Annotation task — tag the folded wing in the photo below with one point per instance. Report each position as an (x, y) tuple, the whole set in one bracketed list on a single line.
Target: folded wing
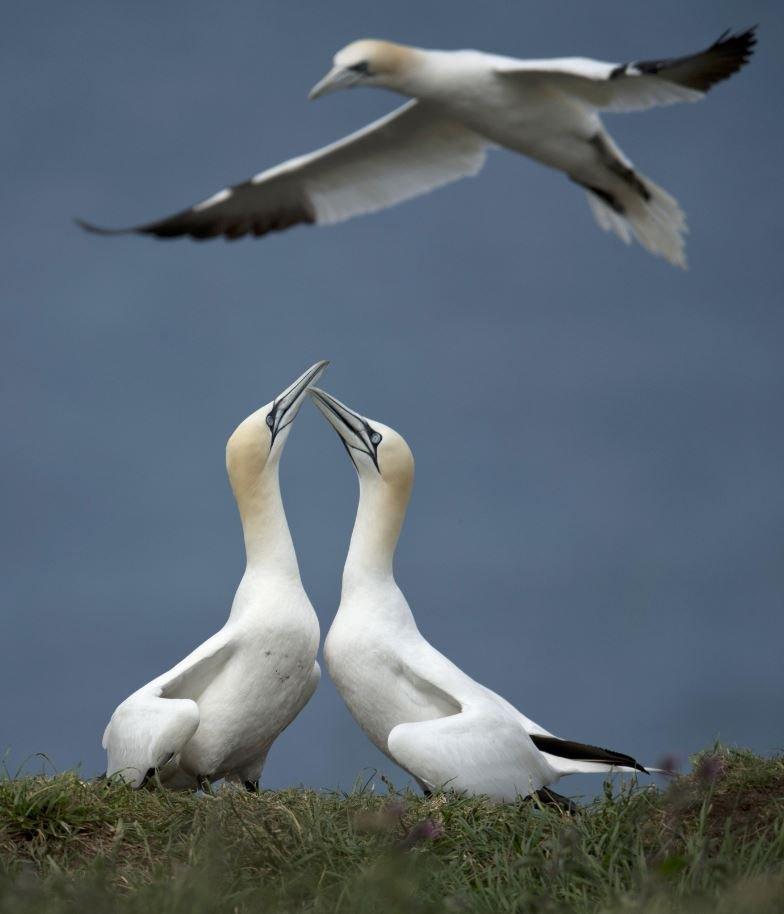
[(638, 85), (153, 725), (409, 152), (473, 751), (481, 748)]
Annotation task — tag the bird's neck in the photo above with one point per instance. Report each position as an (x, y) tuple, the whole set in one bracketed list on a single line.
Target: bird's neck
[(428, 75), (268, 543), (380, 515)]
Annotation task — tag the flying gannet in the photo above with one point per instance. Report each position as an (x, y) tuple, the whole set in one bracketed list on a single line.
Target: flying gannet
[(428, 716), (463, 103), (217, 712)]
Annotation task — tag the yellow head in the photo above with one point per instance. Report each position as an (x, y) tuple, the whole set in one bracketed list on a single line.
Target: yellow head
[(257, 442), (380, 455), (368, 62)]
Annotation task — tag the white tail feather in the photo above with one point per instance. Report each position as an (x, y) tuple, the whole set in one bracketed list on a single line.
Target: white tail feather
[(581, 766), (659, 223)]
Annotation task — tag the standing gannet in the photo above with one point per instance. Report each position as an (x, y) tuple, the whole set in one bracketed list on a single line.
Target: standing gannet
[(428, 716), (217, 712), (464, 102)]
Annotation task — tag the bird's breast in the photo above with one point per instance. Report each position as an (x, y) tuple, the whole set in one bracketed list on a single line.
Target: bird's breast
[(255, 694), (372, 677), (515, 116)]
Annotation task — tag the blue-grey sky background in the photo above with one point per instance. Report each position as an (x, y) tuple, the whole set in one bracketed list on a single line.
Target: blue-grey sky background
[(597, 527)]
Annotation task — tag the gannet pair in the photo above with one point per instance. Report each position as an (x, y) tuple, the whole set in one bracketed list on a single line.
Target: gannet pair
[(217, 712), (417, 707), (462, 104)]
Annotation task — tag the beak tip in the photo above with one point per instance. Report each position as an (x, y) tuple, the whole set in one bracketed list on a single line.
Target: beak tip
[(337, 78), (319, 89)]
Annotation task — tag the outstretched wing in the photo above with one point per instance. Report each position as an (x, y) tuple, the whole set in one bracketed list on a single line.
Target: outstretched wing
[(409, 152), (154, 724), (638, 85)]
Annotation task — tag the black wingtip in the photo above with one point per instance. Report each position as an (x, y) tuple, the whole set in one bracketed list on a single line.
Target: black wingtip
[(633, 763), (729, 53), (100, 230), (740, 44), (565, 748), (748, 34)]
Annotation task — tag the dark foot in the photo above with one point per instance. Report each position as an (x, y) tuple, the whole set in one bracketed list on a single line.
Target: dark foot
[(619, 168), (251, 786), (148, 776), (549, 797), (604, 195), (204, 784), (152, 773)]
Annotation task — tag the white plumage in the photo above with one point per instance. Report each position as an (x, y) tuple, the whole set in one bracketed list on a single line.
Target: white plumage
[(416, 706), (217, 712), (464, 102)]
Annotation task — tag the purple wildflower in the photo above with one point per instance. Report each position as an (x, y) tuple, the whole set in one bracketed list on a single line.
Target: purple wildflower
[(426, 830), (710, 769)]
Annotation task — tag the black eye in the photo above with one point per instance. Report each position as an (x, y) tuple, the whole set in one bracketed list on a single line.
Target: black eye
[(360, 67), (375, 438), (270, 420)]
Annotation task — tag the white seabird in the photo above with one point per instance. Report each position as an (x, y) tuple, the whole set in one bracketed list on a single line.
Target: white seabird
[(416, 706), (217, 712), (464, 102)]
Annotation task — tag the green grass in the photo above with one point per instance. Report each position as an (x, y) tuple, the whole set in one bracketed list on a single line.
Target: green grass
[(712, 842)]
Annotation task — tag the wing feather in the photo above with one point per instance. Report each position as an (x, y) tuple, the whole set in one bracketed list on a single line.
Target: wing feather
[(156, 722), (573, 752), (408, 152), (480, 750), (639, 85), (478, 746)]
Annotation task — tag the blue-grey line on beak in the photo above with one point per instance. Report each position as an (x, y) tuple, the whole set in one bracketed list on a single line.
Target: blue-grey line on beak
[(286, 405), (346, 421), (337, 78)]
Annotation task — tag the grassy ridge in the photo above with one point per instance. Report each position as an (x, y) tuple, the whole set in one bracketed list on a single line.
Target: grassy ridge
[(714, 841)]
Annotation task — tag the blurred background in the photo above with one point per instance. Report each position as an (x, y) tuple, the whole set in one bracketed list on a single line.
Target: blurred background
[(597, 527)]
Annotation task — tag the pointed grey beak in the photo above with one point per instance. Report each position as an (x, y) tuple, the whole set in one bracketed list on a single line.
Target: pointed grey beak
[(337, 78), (286, 405), (354, 430), (339, 416)]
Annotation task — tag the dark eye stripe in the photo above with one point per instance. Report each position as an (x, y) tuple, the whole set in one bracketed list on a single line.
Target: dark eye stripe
[(360, 67), (285, 424)]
